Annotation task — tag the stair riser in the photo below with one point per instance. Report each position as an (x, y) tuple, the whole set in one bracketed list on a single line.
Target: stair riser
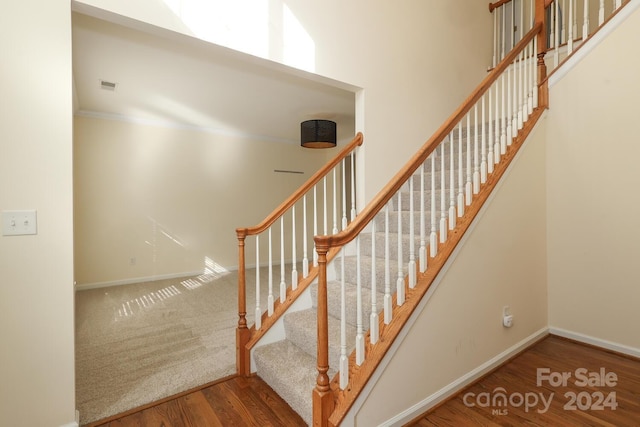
[(380, 246), (301, 330), (366, 276), (334, 302)]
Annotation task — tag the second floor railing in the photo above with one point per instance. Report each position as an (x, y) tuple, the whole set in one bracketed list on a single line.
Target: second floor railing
[(568, 23)]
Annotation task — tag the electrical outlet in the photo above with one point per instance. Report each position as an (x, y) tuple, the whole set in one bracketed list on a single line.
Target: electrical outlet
[(507, 317)]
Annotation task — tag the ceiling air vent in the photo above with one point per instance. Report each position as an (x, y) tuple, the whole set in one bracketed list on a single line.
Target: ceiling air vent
[(107, 85)]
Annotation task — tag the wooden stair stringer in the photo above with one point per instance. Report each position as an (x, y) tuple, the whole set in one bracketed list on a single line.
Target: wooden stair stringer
[(360, 375)]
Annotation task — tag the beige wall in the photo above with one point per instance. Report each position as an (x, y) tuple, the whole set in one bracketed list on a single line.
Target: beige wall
[(412, 80), (416, 61), (36, 272), (172, 198), (503, 262), (593, 208)]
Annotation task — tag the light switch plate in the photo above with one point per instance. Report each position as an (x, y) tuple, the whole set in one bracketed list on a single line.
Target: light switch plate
[(19, 223)]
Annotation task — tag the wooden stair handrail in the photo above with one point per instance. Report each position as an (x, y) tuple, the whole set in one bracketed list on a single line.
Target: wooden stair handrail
[(493, 6), (382, 198), (297, 195), (324, 396)]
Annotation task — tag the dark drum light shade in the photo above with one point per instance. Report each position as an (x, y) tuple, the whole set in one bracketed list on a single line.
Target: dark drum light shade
[(318, 134)]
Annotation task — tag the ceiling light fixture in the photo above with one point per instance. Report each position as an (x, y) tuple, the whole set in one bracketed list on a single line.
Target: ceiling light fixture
[(318, 134)]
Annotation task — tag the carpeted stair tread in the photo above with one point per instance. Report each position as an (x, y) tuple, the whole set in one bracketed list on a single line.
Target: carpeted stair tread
[(300, 328), (350, 271), (366, 248), (291, 372), (334, 301)]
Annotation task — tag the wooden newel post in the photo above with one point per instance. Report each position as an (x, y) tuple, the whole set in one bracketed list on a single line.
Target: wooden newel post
[(243, 366), (323, 399), (543, 88)]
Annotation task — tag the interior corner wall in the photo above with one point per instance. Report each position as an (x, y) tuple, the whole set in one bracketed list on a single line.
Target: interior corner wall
[(593, 208), (156, 201), (36, 271), (501, 263), (416, 60)]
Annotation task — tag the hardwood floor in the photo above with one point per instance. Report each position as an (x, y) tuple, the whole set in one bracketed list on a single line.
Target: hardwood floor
[(236, 401), (556, 382), (601, 389)]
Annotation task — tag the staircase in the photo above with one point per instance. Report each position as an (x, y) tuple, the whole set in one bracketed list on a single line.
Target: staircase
[(392, 251), (289, 365)]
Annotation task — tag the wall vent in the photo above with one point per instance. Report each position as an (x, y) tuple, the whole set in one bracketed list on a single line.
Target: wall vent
[(107, 85)]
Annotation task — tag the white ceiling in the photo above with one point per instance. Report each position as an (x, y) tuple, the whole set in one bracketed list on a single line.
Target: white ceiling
[(185, 82)]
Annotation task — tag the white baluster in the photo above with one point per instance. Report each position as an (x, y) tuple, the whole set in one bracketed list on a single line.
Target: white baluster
[(412, 238), (496, 136), (344, 196), (433, 237), (373, 319), (324, 205), (460, 172), (400, 280), (359, 328), (476, 152), (521, 27), (618, 3), (490, 155), (574, 28), (388, 309), (294, 259), (353, 185), (495, 37), (509, 120), (452, 185), (443, 192), (532, 13), (503, 115), (258, 311), (520, 92), (344, 360), (585, 23), (305, 257), (572, 23), (283, 283), (422, 252), (513, 22), (503, 27), (270, 300), (514, 104), (532, 76), (563, 23), (335, 203), (469, 185), (601, 13), (483, 160), (525, 86), (315, 224), (496, 123), (556, 33)]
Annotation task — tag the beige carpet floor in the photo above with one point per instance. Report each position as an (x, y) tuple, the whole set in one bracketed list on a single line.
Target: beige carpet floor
[(142, 342)]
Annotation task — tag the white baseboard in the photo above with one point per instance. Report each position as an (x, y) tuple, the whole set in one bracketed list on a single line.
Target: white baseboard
[(96, 285), (462, 382), (607, 345), (72, 424)]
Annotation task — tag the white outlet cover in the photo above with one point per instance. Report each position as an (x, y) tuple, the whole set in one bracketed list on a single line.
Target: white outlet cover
[(19, 223)]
